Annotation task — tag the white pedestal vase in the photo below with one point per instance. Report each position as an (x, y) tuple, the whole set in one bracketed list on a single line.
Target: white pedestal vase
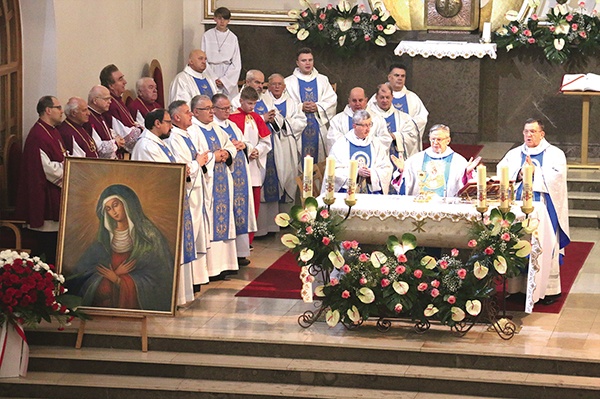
[(14, 351)]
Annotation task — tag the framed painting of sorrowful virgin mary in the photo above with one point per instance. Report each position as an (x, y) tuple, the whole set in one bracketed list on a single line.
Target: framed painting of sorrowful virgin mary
[(120, 234)]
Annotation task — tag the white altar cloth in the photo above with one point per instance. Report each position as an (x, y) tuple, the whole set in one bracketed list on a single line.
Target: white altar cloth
[(441, 223), (441, 49)]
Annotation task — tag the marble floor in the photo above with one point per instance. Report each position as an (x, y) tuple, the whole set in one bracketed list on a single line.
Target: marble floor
[(572, 334)]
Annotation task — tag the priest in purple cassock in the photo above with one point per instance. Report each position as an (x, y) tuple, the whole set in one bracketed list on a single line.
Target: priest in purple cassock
[(147, 93), (78, 140), (107, 142)]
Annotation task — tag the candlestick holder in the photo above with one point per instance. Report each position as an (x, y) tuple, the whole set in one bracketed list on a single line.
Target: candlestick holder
[(504, 209), (482, 209), (527, 210), (328, 201)]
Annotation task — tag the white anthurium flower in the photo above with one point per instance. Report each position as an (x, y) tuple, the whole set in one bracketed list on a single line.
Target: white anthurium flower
[(306, 254), (563, 28), (353, 314), (430, 310), (344, 23), (479, 270), (523, 248), (390, 29), (380, 41), (457, 314), (290, 240), (319, 291), (332, 317), (342, 40), (562, 9), (509, 47), (366, 295), (293, 28), (343, 5), (496, 229), (511, 15), (282, 219), (385, 15), (502, 31), (401, 287), (293, 14), (302, 34), (559, 44), (533, 3), (530, 225), (473, 307), (336, 259), (378, 259), (429, 262), (500, 264)]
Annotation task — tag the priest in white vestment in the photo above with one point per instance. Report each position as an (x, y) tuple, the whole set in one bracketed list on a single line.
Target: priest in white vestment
[(186, 147), (223, 52), (222, 254), (405, 100), (549, 187), (193, 80), (151, 147), (243, 201), (374, 166), (438, 169), (314, 96), (342, 123)]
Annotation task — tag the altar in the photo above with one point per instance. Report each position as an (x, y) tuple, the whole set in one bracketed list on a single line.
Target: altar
[(442, 223)]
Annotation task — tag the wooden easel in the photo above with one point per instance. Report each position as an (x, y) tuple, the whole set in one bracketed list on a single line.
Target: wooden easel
[(143, 333)]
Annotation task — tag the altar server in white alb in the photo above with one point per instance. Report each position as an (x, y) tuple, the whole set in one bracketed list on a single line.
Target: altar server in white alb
[(342, 122), (438, 169), (549, 187), (194, 80), (374, 166), (404, 132), (151, 147), (405, 100), (186, 147), (223, 52), (314, 95)]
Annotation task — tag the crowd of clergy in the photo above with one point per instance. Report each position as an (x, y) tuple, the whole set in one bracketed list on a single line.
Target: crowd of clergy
[(244, 148)]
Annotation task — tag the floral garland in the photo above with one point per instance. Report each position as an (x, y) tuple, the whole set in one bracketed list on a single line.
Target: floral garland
[(31, 291), (565, 33), (400, 279), (344, 28)]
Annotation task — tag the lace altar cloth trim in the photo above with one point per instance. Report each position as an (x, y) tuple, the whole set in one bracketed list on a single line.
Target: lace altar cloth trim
[(441, 49)]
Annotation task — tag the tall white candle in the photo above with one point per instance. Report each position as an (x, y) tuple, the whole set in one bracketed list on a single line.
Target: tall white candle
[(504, 184), (330, 179), (486, 35), (307, 184), (528, 186), (353, 172), (481, 186)]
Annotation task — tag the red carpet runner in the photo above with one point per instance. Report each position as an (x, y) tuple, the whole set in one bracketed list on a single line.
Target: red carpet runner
[(281, 279)]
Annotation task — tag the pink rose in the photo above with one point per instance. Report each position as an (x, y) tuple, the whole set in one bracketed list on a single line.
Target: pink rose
[(303, 13), (582, 4), (574, 26), (488, 251), (552, 28), (309, 230), (385, 282), (334, 281), (472, 243), (374, 17), (444, 264), (354, 244), (514, 29), (346, 269), (367, 38), (346, 294), (461, 273), (402, 258), (454, 252), (320, 26), (451, 300), (435, 293), (379, 28), (526, 32), (531, 40), (305, 218), (569, 18), (400, 269), (362, 281), (346, 245), (486, 220), (505, 237), (385, 270), (356, 19), (534, 17), (418, 273), (422, 287), (326, 240), (324, 213), (329, 6), (583, 34), (322, 16), (505, 223), (398, 308), (363, 257), (310, 279), (435, 283)]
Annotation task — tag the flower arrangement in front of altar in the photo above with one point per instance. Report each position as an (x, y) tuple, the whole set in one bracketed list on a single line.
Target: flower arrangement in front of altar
[(400, 279), (565, 32), (31, 291), (344, 28)]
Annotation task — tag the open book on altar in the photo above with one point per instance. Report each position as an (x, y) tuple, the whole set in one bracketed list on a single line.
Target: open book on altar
[(469, 191), (580, 82)]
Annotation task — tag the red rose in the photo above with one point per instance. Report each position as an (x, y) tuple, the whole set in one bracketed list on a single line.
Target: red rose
[(326, 240), (385, 282), (320, 26), (346, 245), (488, 251)]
